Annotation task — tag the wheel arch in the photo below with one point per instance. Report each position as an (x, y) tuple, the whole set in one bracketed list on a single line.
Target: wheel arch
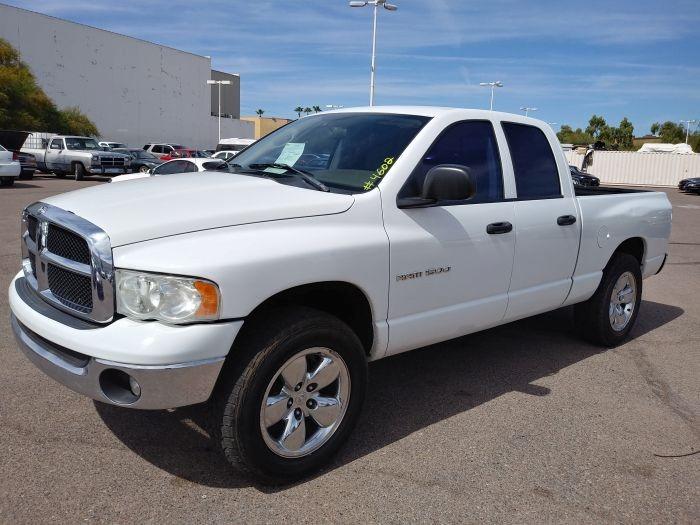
[(344, 300), (634, 246)]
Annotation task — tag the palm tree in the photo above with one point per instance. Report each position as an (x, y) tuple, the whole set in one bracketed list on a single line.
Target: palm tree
[(298, 110), (259, 112), (317, 109), (307, 110)]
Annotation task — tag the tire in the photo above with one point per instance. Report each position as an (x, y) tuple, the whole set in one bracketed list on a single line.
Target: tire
[(594, 318), (253, 376), (79, 171), (7, 181), (27, 175), (143, 169)]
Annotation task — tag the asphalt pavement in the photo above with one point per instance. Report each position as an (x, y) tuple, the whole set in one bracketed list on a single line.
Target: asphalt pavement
[(522, 423)]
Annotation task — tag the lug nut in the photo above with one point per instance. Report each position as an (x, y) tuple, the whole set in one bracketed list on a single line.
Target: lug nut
[(311, 404), (290, 402), (311, 387), (298, 387), (297, 413)]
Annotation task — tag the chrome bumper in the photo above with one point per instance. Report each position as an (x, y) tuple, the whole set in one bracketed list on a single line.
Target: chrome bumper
[(155, 386)]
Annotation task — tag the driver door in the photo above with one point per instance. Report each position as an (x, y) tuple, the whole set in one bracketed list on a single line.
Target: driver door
[(449, 269), (53, 155)]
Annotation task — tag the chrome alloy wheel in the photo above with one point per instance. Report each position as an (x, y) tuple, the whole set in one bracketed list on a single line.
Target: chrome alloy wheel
[(623, 301), (305, 402)]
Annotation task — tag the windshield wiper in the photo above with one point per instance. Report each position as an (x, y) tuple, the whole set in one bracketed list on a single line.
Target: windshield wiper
[(308, 177)]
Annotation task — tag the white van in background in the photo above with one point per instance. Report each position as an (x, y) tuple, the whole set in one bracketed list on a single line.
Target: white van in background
[(234, 145)]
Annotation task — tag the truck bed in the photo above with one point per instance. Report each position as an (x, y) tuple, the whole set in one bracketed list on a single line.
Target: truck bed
[(587, 191)]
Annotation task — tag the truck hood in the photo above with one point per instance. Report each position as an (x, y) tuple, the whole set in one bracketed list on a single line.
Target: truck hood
[(153, 207)]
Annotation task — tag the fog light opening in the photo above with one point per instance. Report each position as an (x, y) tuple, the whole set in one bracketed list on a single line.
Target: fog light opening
[(119, 387)]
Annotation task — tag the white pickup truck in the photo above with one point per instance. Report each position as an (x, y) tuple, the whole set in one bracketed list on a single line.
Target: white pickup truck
[(338, 239)]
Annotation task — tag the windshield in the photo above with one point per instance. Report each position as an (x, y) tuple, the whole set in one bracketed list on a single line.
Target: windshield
[(82, 144), (146, 155), (348, 152)]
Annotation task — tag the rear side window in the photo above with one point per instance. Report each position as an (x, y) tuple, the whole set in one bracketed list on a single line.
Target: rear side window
[(536, 174), (471, 144)]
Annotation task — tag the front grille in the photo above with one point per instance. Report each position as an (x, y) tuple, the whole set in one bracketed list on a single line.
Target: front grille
[(67, 244), (67, 262), (32, 223), (111, 162), (72, 289)]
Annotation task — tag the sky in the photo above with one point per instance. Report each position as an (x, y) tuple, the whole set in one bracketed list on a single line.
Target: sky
[(620, 58)]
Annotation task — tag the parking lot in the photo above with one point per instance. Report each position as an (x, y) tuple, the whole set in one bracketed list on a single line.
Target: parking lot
[(524, 422)]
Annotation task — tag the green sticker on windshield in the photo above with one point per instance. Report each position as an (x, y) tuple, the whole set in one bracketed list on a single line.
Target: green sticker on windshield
[(291, 153), (378, 174)]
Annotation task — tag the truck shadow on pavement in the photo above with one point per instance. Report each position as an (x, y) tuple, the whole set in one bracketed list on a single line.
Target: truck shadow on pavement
[(406, 393)]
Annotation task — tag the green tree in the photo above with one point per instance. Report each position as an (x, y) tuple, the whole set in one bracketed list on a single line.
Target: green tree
[(259, 112), (596, 127), (669, 132), (655, 128), (298, 110), (317, 109), (307, 110), (625, 135), (577, 136), (25, 106)]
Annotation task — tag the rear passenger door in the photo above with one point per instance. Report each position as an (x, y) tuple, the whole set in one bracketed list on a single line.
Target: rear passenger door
[(547, 228)]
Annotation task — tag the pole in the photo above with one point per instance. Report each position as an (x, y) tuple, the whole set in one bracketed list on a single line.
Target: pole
[(374, 47), (219, 84), (493, 88), (687, 131)]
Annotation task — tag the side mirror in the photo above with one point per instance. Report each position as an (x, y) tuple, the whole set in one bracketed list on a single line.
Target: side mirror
[(446, 182)]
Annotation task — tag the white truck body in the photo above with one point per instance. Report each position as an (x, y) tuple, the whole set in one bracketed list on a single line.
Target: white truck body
[(427, 274)]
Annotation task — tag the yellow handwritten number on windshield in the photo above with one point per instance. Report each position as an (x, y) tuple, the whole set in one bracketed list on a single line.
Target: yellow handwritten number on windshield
[(378, 174)]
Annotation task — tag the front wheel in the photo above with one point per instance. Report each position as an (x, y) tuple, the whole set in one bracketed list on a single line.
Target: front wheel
[(607, 318), (79, 171), (294, 397), (143, 169)]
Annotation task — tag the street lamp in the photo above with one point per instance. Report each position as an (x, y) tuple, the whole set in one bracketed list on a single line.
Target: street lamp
[(527, 110), (219, 82), (493, 86), (687, 128), (375, 4)]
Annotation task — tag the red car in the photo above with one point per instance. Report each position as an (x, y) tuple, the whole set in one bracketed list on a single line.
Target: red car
[(185, 153)]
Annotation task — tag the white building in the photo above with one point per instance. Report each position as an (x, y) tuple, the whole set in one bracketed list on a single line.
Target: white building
[(133, 90)]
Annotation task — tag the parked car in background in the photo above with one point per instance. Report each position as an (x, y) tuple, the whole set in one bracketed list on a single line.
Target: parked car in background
[(689, 185), (176, 166), (161, 150), (186, 153), (13, 141), (235, 145), (224, 155), (112, 145), (583, 179), (80, 156), (141, 161), (10, 168)]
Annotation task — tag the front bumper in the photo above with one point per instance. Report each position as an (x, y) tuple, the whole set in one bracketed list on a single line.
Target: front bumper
[(172, 365), (100, 170)]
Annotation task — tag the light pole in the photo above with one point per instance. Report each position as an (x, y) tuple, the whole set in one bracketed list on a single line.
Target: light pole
[(493, 86), (375, 4), (687, 128), (219, 82), (527, 110)]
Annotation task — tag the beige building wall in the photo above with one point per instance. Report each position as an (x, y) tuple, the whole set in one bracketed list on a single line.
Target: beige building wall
[(265, 125)]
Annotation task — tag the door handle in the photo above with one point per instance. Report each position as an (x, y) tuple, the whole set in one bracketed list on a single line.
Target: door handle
[(566, 220), (499, 227)]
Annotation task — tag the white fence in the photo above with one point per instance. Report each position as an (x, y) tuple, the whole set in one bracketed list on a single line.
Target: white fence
[(639, 169)]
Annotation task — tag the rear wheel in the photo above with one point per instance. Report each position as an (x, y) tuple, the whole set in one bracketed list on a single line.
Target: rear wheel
[(607, 318), (79, 171), (293, 396), (7, 181), (27, 175)]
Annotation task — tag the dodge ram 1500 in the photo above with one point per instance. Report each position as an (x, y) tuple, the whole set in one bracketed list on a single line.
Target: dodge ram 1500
[(344, 237)]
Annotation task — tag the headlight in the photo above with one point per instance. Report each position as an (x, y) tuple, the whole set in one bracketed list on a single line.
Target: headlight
[(166, 298), (95, 158)]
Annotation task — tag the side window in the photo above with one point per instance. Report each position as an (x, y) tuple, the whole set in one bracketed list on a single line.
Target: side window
[(56, 144), (168, 168), (536, 174), (471, 143), (191, 167), (157, 149)]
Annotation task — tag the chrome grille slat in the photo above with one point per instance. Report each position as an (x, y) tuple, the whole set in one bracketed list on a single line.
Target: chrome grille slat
[(68, 262)]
